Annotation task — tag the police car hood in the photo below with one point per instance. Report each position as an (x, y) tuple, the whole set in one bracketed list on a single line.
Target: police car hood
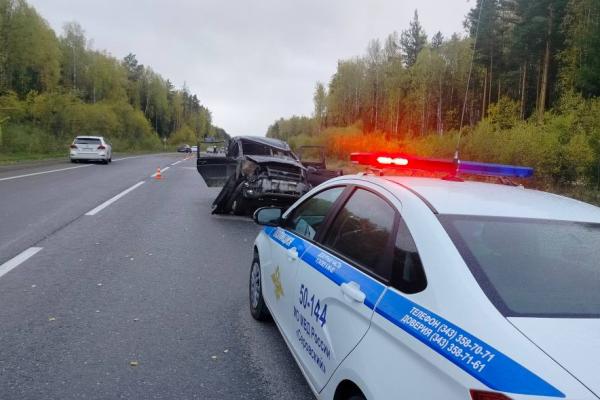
[(574, 343)]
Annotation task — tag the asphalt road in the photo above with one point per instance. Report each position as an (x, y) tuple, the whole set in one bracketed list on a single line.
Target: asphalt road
[(144, 299)]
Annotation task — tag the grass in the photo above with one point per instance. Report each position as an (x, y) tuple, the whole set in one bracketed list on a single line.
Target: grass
[(13, 158)]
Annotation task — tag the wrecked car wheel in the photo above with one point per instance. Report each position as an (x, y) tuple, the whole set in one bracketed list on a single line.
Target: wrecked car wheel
[(239, 205)]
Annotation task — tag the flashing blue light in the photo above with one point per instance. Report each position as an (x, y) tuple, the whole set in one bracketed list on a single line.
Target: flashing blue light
[(486, 169)]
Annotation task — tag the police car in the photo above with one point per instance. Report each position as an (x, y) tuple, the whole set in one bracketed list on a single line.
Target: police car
[(398, 287)]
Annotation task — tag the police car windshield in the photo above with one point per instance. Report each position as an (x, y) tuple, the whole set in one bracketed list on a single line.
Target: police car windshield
[(534, 268), (258, 149)]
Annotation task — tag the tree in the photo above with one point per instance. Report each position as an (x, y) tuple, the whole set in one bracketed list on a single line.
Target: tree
[(437, 40), (412, 41), (30, 50), (74, 46), (581, 57), (320, 102), (53, 87), (540, 26)]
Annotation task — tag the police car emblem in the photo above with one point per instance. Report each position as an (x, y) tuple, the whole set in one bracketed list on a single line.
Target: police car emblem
[(276, 278)]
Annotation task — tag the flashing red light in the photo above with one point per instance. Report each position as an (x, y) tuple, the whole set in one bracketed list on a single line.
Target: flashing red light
[(450, 167), (483, 395), (73, 146), (101, 147)]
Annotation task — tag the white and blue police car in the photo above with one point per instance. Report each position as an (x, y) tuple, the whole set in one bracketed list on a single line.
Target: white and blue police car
[(399, 287)]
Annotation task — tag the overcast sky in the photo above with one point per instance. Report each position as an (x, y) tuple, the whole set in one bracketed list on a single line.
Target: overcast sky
[(249, 61)]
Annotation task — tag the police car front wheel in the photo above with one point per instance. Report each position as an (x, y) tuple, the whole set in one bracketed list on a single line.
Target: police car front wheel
[(258, 308)]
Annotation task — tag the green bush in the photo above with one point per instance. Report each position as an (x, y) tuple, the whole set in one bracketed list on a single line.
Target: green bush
[(46, 123)]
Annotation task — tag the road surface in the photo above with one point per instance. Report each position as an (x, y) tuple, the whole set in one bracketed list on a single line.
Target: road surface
[(116, 285)]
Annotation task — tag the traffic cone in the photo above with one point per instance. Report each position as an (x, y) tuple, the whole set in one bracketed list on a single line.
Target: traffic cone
[(158, 176)]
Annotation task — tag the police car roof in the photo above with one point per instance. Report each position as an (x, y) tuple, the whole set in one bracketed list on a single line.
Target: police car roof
[(486, 199)]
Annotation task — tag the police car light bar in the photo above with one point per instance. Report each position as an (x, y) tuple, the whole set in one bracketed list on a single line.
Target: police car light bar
[(388, 160)]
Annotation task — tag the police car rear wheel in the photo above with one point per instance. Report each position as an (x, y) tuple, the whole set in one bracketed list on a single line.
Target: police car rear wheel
[(258, 308)]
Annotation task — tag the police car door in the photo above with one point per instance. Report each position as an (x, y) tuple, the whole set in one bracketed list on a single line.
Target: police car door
[(288, 243), (340, 281)]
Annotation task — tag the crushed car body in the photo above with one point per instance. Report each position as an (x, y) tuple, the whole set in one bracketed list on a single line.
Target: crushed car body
[(313, 158), (254, 171)]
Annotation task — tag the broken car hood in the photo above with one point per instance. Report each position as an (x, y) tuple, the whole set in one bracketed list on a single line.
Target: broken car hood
[(274, 160)]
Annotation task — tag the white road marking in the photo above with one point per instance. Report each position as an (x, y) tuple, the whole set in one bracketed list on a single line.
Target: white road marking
[(60, 169), (112, 200), (161, 171), (175, 163), (127, 158), (44, 172), (16, 261)]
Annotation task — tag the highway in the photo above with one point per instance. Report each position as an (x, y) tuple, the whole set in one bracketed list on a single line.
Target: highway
[(116, 285)]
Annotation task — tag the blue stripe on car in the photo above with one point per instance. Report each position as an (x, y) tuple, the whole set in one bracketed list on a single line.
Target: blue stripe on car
[(474, 356)]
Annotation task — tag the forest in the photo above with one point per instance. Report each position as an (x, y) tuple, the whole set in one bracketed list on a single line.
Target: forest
[(520, 85), (54, 87)]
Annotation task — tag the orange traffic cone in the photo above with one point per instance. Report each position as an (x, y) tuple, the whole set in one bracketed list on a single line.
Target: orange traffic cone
[(157, 175)]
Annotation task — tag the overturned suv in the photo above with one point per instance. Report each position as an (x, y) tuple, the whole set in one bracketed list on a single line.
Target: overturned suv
[(254, 172)]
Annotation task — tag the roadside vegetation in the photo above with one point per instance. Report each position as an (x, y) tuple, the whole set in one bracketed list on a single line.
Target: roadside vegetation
[(53, 88), (532, 98)]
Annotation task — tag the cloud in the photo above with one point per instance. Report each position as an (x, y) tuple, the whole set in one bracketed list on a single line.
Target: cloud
[(250, 62)]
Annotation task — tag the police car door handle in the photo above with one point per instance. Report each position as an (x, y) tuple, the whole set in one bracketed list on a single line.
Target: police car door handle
[(292, 254), (352, 290)]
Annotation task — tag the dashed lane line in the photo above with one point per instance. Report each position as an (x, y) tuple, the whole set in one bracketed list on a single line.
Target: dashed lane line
[(18, 260), (60, 169), (127, 158), (112, 200)]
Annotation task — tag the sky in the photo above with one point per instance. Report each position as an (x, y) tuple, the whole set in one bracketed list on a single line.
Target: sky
[(249, 61)]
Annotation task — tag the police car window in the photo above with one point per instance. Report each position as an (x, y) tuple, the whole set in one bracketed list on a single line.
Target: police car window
[(362, 229), (407, 270), (307, 218), (532, 267)]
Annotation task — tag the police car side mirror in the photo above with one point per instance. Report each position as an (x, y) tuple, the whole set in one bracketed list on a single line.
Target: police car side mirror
[(268, 216)]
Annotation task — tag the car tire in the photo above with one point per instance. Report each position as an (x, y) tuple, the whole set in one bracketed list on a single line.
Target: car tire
[(258, 308), (238, 205), (73, 161)]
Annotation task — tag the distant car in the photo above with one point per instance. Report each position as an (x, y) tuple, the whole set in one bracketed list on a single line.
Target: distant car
[(194, 149), (90, 148), (184, 149)]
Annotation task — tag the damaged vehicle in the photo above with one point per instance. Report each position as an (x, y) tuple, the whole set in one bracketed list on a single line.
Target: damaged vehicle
[(254, 172), (313, 158)]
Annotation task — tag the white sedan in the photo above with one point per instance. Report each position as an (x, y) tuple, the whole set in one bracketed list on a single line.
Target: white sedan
[(389, 287), (90, 148)]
